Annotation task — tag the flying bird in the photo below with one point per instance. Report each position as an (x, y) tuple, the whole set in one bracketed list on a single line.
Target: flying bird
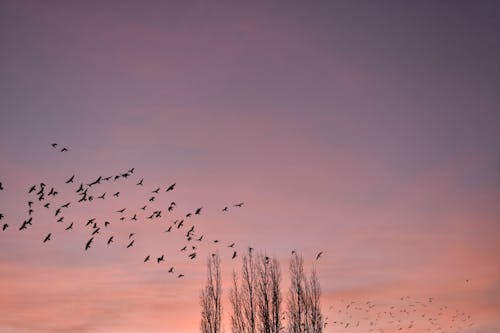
[(146, 259), (95, 182), (171, 187), (131, 244), (70, 180), (1, 186), (110, 240), (70, 226), (140, 183), (239, 204), (319, 255), (121, 210), (159, 259), (5, 226), (64, 149), (87, 246), (47, 238), (198, 211), (101, 196)]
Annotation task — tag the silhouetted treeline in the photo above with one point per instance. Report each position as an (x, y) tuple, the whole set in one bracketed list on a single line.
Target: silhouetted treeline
[(256, 297)]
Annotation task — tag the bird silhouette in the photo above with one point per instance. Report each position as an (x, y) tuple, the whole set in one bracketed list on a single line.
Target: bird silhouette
[(70, 226), (171, 187), (131, 244), (101, 196), (140, 182), (5, 226), (70, 180), (64, 149), (319, 255), (146, 259), (121, 210), (95, 182), (32, 189), (180, 275), (198, 211), (110, 240), (116, 194), (239, 204), (47, 238), (225, 209), (159, 259), (234, 255), (1, 186), (54, 145), (87, 246), (156, 191)]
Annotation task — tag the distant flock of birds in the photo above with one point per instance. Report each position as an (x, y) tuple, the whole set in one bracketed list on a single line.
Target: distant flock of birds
[(407, 314)]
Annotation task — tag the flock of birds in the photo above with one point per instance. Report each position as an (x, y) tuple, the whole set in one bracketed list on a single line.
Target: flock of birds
[(44, 196), (408, 314), (402, 315)]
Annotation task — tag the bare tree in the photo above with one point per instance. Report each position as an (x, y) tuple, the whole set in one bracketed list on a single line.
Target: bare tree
[(210, 298), (237, 321), (268, 294), (248, 292), (314, 294), (304, 308), (296, 304)]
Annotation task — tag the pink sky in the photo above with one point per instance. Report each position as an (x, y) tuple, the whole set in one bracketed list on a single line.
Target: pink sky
[(367, 131)]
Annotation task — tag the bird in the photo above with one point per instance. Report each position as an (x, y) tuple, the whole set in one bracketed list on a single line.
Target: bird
[(171, 187), (54, 145), (169, 229), (87, 246), (96, 231), (146, 259), (143, 207), (239, 204), (234, 255), (231, 245), (130, 235), (106, 223), (5, 226), (131, 244), (80, 188), (140, 183), (66, 205), (159, 259), (32, 189), (180, 275), (319, 255), (134, 217), (110, 240), (58, 211), (171, 270), (95, 182), (198, 211), (131, 170), (1, 216), (121, 210), (116, 194), (156, 191), (70, 180), (101, 196), (64, 149), (47, 238), (225, 209), (70, 226), (1, 186)]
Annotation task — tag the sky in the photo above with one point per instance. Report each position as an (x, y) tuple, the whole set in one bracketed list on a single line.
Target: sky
[(369, 130)]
